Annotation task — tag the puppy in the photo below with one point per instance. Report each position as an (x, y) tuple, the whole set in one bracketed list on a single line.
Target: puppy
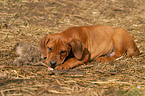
[(77, 45)]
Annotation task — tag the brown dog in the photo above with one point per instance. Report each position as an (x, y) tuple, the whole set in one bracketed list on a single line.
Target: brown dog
[(77, 45)]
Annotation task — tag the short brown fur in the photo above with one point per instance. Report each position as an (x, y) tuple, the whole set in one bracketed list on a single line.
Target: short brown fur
[(77, 45)]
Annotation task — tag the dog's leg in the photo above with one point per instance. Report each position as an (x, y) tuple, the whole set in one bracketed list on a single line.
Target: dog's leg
[(73, 62), (118, 54), (123, 43), (70, 63)]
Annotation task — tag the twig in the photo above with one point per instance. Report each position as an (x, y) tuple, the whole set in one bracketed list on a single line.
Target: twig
[(40, 63), (60, 3), (9, 90), (58, 82), (40, 92), (2, 93), (60, 72), (57, 92), (72, 2), (17, 78), (15, 94), (112, 82)]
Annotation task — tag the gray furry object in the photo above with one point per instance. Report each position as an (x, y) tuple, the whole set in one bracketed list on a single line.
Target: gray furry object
[(28, 54)]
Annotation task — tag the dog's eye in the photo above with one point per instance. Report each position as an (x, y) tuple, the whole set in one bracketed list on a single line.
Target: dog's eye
[(62, 52), (50, 50), (44, 57)]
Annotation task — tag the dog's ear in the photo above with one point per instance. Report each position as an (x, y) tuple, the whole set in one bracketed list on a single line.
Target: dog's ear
[(42, 45), (77, 48)]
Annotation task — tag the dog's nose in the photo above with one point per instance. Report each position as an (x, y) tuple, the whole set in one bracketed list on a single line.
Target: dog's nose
[(52, 62)]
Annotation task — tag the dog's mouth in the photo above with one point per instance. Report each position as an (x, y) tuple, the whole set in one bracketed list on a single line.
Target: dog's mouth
[(57, 64), (54, 65)]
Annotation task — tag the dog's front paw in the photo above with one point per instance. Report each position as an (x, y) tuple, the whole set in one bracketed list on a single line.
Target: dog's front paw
[(102, 60), (62, 67)]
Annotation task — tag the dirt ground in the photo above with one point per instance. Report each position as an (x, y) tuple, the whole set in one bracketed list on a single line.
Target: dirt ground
[(29, 20)]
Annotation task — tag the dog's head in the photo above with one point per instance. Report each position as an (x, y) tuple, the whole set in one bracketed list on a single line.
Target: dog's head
[(55, 48)]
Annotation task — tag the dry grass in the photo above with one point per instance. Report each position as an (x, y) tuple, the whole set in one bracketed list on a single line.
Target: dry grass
[(28, 21)]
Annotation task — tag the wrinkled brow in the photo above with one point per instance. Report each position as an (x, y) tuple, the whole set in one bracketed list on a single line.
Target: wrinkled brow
[(58, 45)]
